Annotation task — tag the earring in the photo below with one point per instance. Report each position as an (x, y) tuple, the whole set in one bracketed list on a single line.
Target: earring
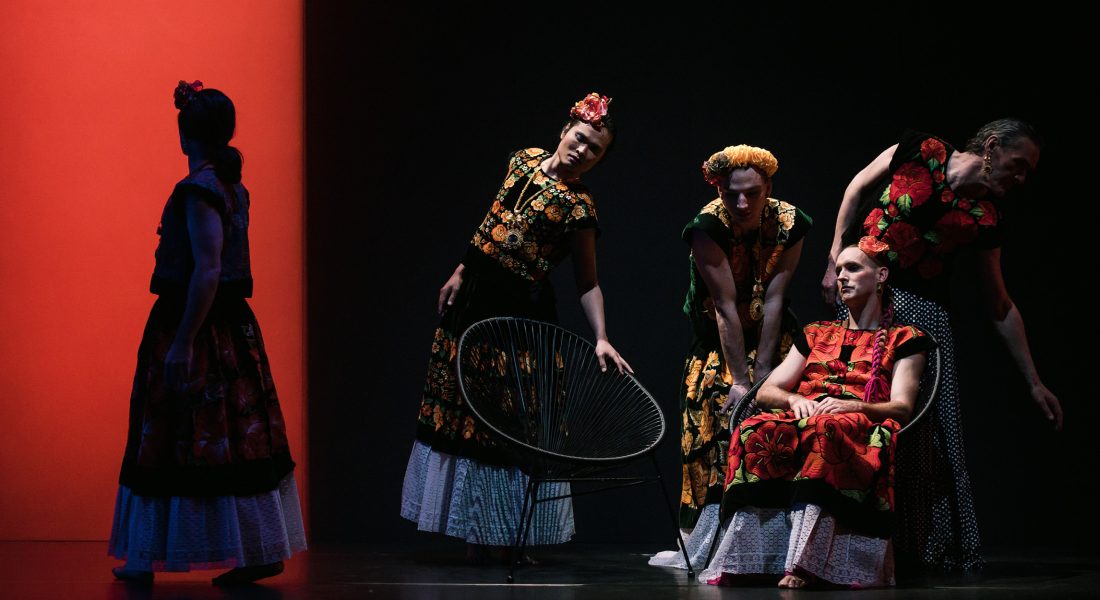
[(878, 288), (987, 165)]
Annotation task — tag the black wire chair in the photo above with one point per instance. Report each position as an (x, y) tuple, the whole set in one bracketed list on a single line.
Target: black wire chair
[(540, 389), (926, 397)]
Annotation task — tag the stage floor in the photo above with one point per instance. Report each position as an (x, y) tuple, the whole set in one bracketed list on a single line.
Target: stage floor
[(81, 571)]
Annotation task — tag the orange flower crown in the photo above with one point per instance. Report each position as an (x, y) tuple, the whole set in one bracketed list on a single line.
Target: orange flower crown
[(718, 166), (591, 109), (873, 247)]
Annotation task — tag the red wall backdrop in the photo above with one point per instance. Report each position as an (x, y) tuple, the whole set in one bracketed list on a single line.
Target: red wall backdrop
[(88, 154)]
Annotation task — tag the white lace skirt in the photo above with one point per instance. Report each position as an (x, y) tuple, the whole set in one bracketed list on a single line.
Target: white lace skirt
[(180, 533), (806, 540), (479, 503), (698, 541)]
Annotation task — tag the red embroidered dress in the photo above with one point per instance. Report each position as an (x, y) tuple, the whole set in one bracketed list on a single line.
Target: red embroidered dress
[(841, 462)]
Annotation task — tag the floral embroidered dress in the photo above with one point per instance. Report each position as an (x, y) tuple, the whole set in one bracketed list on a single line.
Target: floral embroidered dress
[(922, 219), (507, 262), (814, 496), (843, 461), (207, 477), (522, 238), (706, 381), (928, 226)]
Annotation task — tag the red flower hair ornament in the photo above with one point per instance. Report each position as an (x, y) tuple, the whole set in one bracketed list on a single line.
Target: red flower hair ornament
[(591, 109), (873, 247), (186, 92)]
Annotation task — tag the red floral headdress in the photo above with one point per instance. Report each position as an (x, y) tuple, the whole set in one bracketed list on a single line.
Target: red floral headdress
[(591, 109), (186, 92), (873, 247)]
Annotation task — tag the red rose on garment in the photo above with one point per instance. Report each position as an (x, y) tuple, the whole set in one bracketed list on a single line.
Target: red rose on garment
[(838, 450), (937, 175), (964, 204), (989, 214), (947, 196), (827, 345), (871, 223), (837, 366), (932, 148), (892, 210), (955, 228), (833, 390), (930, 266), (912, 179), (906, 241), (770, 450)]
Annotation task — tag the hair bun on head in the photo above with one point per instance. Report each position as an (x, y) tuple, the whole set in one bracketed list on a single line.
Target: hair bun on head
[(186, 92)]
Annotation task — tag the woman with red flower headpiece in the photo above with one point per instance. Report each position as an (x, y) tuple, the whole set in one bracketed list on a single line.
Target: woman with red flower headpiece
[(809, 485), (745, 247), (207, 480), (459, 481), (931, 203)]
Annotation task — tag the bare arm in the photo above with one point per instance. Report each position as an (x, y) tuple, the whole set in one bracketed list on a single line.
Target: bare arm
[(583, 244), (714, 267), (1010, 327), (847, 214), (773, 310), (204, 227)]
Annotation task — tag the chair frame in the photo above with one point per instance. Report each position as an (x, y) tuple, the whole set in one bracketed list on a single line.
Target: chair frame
[(537, 477)]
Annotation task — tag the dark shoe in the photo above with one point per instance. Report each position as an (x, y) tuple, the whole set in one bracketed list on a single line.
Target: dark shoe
[(243, 575), (133, 575)]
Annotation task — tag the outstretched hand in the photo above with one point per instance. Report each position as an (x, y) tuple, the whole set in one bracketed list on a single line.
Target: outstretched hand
[(607, 354)]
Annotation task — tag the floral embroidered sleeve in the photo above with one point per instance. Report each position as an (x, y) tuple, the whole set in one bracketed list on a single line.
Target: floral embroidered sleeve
[(805, 342), (909, 341), (712, 221), (581, 213)]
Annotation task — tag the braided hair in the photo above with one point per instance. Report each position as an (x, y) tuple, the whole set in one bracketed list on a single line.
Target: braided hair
[(876, 387)]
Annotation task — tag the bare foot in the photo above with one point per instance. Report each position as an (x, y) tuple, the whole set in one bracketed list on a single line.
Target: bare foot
[(792, 582)]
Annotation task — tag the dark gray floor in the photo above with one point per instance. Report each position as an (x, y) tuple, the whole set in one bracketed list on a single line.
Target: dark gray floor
[(81, 570)]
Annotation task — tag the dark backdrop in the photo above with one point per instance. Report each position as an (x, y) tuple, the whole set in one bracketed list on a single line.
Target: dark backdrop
[(412, 111)]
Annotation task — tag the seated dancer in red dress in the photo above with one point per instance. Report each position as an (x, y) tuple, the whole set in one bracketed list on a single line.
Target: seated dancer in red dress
[(809, 484)]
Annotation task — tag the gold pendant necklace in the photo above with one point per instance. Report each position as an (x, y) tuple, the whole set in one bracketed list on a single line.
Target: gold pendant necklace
[(756, 305), (515, 227)]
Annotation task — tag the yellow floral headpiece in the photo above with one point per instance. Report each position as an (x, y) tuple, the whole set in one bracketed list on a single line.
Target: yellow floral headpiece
[(718, 166)]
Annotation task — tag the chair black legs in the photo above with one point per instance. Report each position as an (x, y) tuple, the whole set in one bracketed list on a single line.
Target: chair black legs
[(523, 526), (672, 515)]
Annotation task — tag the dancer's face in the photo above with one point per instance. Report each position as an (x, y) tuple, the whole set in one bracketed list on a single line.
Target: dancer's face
[(1012, 164), (744, 195), (582, 146), (857, 276)]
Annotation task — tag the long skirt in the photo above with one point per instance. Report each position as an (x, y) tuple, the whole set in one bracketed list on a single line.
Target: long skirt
[(460, 479), (206, 478), (936, 526)]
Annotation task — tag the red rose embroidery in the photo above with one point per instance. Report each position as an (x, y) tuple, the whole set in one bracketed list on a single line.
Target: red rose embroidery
[(937, 175), (989, 214), (947, 196), (837, 366), (906, 241), (932, 148), (770, 450), (914, 180), (870, 224)]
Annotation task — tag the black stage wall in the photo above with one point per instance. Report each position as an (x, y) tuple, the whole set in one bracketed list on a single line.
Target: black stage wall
[(412, 111)]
